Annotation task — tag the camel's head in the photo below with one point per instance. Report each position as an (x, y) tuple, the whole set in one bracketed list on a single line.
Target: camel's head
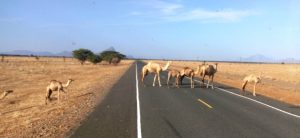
[(70, 80)]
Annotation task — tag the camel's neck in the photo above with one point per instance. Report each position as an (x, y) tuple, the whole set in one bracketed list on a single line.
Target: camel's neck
[(166, 66), (216, 67), (68, 83)]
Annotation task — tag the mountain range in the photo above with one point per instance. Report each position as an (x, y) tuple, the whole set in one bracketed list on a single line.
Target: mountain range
[(262, 58), (253, 58), (43, 53)]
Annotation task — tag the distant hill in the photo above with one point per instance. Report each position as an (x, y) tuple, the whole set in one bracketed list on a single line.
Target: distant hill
[(110, 49), (257, 58), (262, 58), (43, 53)]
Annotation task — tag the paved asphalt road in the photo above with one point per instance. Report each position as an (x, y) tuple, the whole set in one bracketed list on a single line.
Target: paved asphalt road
[(185, 112)]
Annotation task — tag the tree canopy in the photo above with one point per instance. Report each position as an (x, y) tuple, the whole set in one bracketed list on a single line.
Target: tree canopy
[(109, 55), (82, 54)]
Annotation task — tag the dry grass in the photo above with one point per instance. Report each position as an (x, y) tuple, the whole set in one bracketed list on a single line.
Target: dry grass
[(23, 113), (280, 81)]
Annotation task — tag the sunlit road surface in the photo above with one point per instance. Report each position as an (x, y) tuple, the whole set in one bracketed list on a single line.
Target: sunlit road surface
[(185, 112)]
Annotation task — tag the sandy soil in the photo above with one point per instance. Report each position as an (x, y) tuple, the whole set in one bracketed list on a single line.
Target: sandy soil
[(23, 112), (279, 81)]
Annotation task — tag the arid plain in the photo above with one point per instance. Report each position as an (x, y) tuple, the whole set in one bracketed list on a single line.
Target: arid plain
[(24, 113)]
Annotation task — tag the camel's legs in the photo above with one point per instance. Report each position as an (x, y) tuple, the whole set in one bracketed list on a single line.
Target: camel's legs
[(154, 80), (254, 90), (169, 76), (177, 82), (192, 82), (203, 80), (48, 95), (208, 81), (212, 82), (143, 77), (158, 77), (244, 86)]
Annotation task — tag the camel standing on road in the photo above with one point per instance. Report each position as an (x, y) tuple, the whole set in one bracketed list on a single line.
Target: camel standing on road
[(154, 68), (56, 86), (174, 74), (188, 72), (210, 71), (251, 78)]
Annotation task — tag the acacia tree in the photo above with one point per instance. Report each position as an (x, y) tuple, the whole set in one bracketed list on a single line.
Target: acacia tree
[(82, 54), (110, 55), (93, 58)]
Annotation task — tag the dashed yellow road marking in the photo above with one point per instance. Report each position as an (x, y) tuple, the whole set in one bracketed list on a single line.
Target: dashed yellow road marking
[(209, 106)]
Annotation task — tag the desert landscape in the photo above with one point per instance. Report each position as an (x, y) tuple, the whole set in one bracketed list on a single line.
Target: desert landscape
[(24, 113), (279, 81)]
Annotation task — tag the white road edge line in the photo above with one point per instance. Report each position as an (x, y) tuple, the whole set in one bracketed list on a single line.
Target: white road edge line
[(139, 129), (272, 107)]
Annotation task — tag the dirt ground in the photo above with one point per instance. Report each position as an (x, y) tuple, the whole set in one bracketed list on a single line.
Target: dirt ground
[(23, 113), (279, 81)]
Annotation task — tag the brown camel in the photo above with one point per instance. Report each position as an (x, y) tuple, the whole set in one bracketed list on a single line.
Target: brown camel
[(210, 71), (56, 86), (154, 68), (174, 74), (251, 79), (188, 72)]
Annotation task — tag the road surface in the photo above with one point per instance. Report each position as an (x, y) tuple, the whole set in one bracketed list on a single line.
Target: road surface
[(185, 112)]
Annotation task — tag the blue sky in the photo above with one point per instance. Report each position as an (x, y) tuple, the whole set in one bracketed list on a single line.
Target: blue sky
[(177, 29)]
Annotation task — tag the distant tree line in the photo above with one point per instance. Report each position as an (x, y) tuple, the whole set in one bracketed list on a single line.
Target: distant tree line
[(112, 57)]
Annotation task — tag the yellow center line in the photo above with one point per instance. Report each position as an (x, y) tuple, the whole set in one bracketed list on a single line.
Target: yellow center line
[(209, 106)]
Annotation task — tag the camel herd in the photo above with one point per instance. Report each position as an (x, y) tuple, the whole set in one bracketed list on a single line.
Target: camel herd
[(154, 68), (202, 70)]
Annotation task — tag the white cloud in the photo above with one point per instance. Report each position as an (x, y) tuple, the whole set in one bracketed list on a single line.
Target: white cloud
[(176, 12), (171, 9), (206, 15)]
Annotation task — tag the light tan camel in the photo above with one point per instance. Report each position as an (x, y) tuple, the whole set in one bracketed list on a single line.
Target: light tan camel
[(56, 86), (174, 74), (5, 93), (154, 68), (210, 71), (188, 72), (251, 79)]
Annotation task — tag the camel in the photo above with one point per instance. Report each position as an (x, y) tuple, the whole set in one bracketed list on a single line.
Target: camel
[(5, 93), (56, 86), (174, 74), (210, 71), (188, 72), (251, 78), (154, 68)]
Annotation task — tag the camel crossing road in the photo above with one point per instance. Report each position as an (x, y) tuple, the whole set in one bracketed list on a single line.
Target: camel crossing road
[(131, 110)]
